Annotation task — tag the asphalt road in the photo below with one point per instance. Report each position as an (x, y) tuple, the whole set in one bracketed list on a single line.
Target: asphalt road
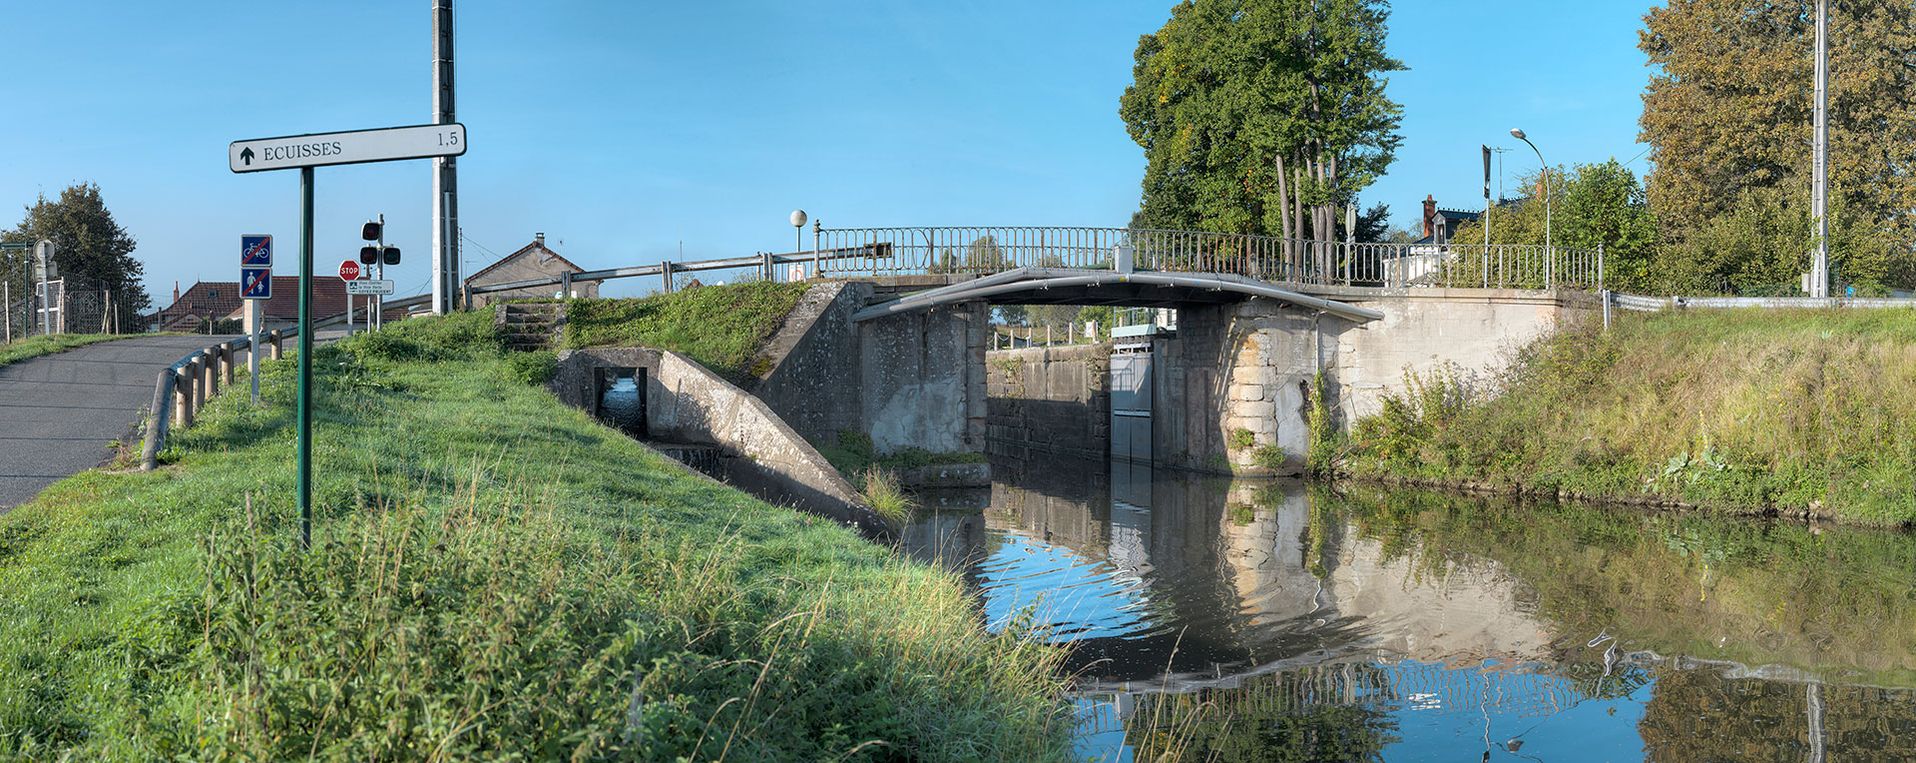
[(59, 412)]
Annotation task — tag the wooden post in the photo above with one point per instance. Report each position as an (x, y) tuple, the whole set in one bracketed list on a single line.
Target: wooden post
[(196, 389), (275, 337), (182, 398), (226, 363), (212, 370)]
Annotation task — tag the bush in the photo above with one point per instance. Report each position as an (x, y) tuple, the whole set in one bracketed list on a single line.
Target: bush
[(535, 368)]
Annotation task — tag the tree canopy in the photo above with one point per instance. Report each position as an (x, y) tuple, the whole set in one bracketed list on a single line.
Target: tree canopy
[(1261, 116), (1727, 115), (91, 248)]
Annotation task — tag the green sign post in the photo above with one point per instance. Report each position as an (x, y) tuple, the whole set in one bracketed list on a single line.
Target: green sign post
[(304, 152)]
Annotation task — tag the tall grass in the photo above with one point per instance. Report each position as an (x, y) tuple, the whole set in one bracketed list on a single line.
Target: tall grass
[(47, 344), (721, 327), (493, 575), (1797, 411)]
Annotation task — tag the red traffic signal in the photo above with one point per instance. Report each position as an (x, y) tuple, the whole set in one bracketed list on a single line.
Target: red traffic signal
[(368, 254), (371, 231)]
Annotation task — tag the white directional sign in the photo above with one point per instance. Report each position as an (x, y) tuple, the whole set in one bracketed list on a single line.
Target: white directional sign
[(369, 286), (321, 149)]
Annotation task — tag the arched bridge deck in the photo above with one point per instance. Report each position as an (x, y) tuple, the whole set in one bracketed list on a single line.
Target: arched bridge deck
[(1150, 267)]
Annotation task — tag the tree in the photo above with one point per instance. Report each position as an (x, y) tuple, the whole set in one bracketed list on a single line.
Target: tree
[(1728, 109), (1261, 116), (1592, 205), (90, 247)]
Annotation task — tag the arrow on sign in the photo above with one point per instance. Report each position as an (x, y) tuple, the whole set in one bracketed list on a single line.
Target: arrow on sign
[(246, 155)]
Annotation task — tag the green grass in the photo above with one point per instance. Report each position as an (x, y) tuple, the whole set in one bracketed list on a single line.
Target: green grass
[(493, 575), (47, 344), (883, 493), (721, 327), (1756, 410), (853, 456)]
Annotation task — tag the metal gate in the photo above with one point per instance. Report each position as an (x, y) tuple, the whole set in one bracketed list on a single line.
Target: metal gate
[(1131, 402)]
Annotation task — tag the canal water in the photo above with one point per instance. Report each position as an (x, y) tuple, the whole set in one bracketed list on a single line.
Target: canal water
[(1243, 620)]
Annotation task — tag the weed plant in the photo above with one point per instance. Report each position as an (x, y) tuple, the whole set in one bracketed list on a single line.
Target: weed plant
[(1748, 410)]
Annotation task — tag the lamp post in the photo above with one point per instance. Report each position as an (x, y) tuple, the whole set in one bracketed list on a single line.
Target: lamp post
[(1549, 249), (798, 236)]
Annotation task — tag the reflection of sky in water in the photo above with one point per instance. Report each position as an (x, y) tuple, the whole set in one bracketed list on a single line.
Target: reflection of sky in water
[(1235, 596), (1075, 597), (1440, 714)]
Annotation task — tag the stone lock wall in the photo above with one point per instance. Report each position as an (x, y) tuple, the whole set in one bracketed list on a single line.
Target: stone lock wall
[(915, 380), (1251, 367), (1053, 400)]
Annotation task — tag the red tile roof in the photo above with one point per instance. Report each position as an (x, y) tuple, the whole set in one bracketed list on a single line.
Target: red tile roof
[(208, 300), (329, 297)]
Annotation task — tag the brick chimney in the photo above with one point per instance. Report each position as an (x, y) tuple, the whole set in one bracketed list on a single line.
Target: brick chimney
[(1430, 215), (176, 291), (540, 239)]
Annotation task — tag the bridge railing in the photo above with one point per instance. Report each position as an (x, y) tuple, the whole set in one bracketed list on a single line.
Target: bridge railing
[(980, 250)]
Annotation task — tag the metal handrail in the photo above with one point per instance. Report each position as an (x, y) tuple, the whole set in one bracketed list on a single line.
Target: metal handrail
[(202, 368), (1297, 262)]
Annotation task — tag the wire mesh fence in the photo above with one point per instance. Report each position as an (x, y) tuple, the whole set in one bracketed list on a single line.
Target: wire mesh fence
[(62, 306), (1301, 262)]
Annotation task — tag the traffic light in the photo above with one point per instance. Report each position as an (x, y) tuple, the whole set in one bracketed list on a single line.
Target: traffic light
[(392, 255), (371, 231), (368, 255)]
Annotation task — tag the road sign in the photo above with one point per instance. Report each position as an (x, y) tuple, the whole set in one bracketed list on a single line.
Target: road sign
[(348, 270), (359, 146), (256, 283), (370, 287), (256, 250)]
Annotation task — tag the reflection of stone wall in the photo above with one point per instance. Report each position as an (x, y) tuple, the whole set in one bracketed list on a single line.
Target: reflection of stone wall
[(1465, 613), (1048, 400)]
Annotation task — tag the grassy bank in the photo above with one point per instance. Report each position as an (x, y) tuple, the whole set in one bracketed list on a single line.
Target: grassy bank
[(721, 327), (35, 346), (1757, 410), (493, 574)]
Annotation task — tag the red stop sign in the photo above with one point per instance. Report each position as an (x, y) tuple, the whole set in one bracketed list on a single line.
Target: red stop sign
[(349, 270)]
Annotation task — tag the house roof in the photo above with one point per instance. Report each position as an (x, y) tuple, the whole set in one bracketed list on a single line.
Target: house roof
[(536, 247), (329, 298), (204, 299)]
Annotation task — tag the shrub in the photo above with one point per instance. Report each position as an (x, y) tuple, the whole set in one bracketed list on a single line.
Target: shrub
[(535, 368), (885, 496)]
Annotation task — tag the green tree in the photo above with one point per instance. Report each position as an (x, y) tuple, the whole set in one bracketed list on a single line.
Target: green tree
[(1591, 205), (1261, 116), (1728, 109), (91, 247)]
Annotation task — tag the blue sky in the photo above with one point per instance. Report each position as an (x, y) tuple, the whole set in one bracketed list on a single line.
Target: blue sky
[(625, 130)]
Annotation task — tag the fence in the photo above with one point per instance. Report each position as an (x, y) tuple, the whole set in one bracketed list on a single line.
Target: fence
[(1301, 262), (64, 306), (185, 386)]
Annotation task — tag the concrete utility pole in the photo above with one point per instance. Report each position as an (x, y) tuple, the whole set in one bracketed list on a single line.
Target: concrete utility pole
[(445, 173), (1819, 178)]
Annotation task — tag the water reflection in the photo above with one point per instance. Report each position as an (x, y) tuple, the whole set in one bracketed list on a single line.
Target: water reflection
[(1254, 621)]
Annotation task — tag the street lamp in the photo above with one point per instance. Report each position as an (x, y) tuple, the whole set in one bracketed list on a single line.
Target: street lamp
[(1550, 251)]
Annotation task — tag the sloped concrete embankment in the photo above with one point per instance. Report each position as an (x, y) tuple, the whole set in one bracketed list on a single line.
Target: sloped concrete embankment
[(762, 455)]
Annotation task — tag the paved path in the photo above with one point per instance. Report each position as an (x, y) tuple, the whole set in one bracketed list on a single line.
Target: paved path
[(58, 412)]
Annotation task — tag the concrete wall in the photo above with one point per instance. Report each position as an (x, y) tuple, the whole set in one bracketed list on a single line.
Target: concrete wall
[(1053, 400), (1476, 330), (687, 403), (906, 381), (1251, 365)]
